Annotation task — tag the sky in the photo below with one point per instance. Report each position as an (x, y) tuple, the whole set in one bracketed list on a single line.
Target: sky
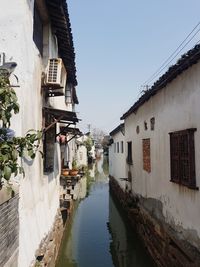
[(118, 46)]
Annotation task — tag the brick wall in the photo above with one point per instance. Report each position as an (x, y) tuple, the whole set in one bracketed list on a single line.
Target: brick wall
[(146, 155), (9, 229)]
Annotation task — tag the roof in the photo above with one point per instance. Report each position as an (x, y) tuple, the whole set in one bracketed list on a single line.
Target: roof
[(117, 129), (61, 115), (186, 61), (60, 22), (70, 130)]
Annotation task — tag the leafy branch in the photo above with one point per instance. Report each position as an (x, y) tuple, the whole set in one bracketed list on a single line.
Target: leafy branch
[(12, 148)]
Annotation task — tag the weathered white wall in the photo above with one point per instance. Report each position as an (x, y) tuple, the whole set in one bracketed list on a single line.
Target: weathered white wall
[(82, 155), (117, 160), (39, 194), (175, 107)]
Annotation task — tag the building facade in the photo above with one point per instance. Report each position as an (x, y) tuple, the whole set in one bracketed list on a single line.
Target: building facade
[(117, 156), (32, 33), (162, 149)]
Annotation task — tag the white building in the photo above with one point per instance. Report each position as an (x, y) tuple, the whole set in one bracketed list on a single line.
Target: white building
[(32, 32), (162, 136), (82, 159), (117, 156)]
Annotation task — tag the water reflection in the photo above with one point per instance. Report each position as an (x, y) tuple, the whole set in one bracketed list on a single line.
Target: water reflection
[(125, 248), (89, 240)]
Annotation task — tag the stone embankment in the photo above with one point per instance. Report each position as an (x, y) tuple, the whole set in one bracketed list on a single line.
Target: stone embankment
[(160, 240)]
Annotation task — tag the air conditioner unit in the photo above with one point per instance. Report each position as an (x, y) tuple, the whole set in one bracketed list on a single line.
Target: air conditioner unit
[(56, 75)]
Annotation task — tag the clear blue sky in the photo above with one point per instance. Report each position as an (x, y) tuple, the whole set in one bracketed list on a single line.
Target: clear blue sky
[(118, 45)]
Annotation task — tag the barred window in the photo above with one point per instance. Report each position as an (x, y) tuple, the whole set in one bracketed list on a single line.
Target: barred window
[(182, 152)]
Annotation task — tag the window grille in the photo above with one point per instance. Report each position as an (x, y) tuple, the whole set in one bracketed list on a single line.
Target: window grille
[(182, 154)]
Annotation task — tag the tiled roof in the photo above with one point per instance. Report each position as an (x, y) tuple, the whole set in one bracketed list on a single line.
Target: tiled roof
[(117, 129), (186, 61), (59, 16)]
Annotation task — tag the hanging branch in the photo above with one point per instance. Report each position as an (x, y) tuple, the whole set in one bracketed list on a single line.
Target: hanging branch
[(12, 148)]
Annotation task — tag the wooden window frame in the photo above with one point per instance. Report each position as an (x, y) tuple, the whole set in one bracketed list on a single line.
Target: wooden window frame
[(129, 158), (182, 158)]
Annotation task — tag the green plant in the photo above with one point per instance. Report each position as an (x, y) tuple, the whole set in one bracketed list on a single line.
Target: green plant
[(74, 164), (12, 148)]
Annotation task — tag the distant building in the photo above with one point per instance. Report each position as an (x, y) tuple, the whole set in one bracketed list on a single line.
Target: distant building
[(117, 156)]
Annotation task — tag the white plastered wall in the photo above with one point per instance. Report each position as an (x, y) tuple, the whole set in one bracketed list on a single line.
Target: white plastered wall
[(39, 194), (117, 160), (175, 108)]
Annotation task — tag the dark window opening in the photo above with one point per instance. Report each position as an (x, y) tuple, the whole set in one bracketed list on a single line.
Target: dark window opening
[(49, 143), (152, 122), (117, 147), (129, 155), (182, 152), (145, 126), (38, 30), (122, 147), (138, 129)]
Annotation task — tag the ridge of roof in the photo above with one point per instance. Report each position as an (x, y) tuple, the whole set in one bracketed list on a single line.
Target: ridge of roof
[(188, 59)]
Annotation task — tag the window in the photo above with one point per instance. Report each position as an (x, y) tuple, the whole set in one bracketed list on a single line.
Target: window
[(38, 30), (122, 147), (114, 147), (182, 153), (152, 122), (49, 142), (146, 155), (117, 147), (129, 155)]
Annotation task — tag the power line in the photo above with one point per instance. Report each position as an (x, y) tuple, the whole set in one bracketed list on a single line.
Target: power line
[(165, 64), (171, 74)]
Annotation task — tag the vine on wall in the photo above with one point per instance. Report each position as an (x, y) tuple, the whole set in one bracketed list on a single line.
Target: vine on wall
[(13, 148)]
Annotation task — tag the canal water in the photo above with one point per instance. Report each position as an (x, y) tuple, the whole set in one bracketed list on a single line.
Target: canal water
[(97, 235)]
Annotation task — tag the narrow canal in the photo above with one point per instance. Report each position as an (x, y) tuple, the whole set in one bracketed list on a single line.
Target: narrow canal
[(97, 235)]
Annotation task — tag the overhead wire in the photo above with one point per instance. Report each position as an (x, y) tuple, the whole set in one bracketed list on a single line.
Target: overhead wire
[(174, 54)]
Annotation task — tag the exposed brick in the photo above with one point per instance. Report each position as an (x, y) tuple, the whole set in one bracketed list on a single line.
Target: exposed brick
[(163, 245), (146, 155), (9, 226)]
